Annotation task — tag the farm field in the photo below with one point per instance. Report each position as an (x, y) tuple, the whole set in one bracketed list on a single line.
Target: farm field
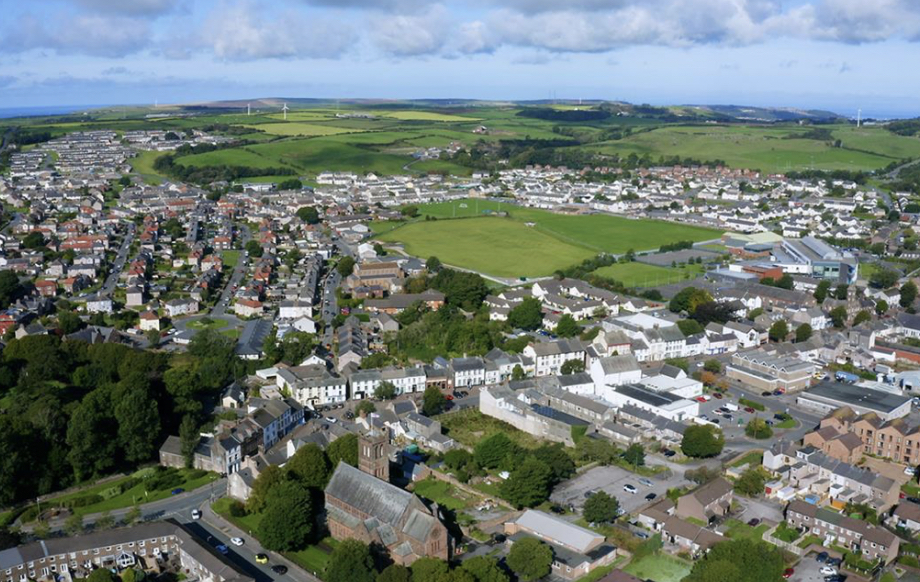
[(496, 246), (304, 129), (142, 163), (642, 275), (766, 148)]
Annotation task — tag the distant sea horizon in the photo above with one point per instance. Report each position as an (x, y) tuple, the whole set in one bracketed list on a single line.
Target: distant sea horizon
[(7, 112)]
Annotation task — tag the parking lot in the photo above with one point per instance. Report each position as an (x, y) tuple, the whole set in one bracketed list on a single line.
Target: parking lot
[(612, 480), (739, 418), (808, 570)]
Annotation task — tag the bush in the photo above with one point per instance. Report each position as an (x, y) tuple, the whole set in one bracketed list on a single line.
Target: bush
[(84, 500), (128, 483), (752, 404), (909, 561), (162, 480), (237, 509), (197, 474)]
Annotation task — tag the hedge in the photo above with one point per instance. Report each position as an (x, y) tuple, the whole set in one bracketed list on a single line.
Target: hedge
[(752, 404)]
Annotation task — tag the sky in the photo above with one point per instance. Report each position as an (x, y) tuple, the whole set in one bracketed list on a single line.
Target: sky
[(840, 55)]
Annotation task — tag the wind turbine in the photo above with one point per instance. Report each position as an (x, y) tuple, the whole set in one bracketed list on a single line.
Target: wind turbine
[(247, 109), (858, 117), (284, 110)]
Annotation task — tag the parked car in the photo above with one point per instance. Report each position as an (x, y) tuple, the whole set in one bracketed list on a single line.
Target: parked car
[(914, 500), (449, 397), (236, 541), (629, 488), (788, 572), (222, 549), (822, 557), (717, 395), (835, 562), (754, 522), (778, 392), (196, 514), (668, 453), (177, 491), (650, 496), (766, 393), (749, 410), (828, 571), (279, 569), (910, 470), (261, 559), (646, 482)]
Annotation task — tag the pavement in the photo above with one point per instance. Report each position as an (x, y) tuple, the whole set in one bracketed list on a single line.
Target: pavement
[(808, 570), (120, 259), (242, 266), (612, 479)]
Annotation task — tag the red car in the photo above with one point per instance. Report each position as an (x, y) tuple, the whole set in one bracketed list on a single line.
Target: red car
[(700, 399), (748, 409), (788, 572), (449, 397), (902, 495), (717, 395)]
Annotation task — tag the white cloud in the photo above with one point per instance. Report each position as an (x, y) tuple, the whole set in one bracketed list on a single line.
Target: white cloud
[(405, 35), (238, 32), (87, 34)]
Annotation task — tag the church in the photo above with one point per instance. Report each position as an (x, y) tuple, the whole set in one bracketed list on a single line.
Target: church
[(362, 504)]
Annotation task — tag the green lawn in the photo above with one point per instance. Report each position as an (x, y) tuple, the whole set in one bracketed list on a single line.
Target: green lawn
[(214, 324), (809, 540), (135, 495), (496, 246), (754, 458), (314, 558), (660, 568), (642, 275), (249, 522), (788, 423), (786, 533), (230, 258), (740, 530), (443, 493)]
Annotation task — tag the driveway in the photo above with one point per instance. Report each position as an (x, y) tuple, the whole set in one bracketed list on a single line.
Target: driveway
[(612, 480), (759, 509), (888, 469), (808, 570)]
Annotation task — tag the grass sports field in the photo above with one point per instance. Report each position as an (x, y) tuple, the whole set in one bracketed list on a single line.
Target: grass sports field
[(531, 242), (499, 247), (642, 275)]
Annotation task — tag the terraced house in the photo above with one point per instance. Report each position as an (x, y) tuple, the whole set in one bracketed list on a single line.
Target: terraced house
[(895, 439), (872, 542)]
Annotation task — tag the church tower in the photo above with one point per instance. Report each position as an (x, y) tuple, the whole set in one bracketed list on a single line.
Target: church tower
[(372, 454)]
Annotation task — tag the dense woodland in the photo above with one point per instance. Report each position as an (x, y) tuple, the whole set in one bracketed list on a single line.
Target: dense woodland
[(74, 411)]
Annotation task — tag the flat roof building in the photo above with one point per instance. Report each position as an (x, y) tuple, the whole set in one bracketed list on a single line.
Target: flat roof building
[(828, 396)]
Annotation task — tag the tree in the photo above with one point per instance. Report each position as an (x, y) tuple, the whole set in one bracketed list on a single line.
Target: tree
[(153, 338), (712, 311), (751, 482), (779, 330), (365, 407), (688, 299), (517, 373), (409, 211), (635, 455), (433, 264), (861, 317), (105, 521), (270, 477), (840, 292), (69, 322), (600, 508), (394, 573), (433, 402), (881, 307), (803, 333), (308, 214), (884, 278), (287, 521), (484, 569), (530, 559), (346, 266), (92, 436), (73, 525), (559, 462), (821, 290), (10, 288), (33, 240), (138, 422), (133, 515), (492, 452), (309, 466), (101, 575), (703, 474), (730, 561), (132, 575), (714, 366), (908, 294), (254, 249), (569, 367), (351, 561), (758, 428), (689, 327), (385, 391), (528, 485), (702, 441), (189, 436), (528, 314), (785, 282), (344, 449), (567, 326), (428, 569), (838, 316)]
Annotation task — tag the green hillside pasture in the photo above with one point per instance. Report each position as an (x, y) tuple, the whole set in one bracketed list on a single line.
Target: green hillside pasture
[(878, 140), (329, 154), (500, 247), (233, 157), (424, 116), (643, 275), (761, 148), (295, 128), (440, 166), (142, 163), (597, 232)]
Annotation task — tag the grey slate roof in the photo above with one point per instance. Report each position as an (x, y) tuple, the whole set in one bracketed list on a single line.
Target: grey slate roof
[(368, 494)]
